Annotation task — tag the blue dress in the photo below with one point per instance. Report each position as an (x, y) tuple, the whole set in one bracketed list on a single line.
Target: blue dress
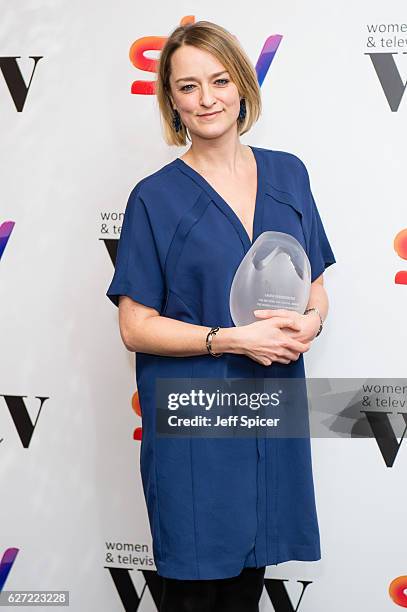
[(216, 506)]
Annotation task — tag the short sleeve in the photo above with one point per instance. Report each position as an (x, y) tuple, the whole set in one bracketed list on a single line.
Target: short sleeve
[(319, 250), (138, 272)]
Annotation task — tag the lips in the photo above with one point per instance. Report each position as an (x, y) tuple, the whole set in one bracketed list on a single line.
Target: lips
[(209, 114)]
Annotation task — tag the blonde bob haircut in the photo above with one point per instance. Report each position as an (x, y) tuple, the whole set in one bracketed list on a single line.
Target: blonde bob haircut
[(226, 48)]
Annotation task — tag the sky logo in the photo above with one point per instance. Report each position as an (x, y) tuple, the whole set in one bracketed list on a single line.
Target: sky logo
[(5, 231), (6, 564), (156, 43)]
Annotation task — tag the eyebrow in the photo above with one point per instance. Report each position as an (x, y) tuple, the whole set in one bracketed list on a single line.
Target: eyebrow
[(215, 74)]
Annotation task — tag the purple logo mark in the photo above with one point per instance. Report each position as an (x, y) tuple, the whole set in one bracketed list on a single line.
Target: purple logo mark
[(5, 230)]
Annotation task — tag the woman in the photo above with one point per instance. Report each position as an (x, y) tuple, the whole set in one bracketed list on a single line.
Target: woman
[(220, 510)]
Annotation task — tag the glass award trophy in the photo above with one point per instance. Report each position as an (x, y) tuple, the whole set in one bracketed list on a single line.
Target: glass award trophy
[(274, 273)]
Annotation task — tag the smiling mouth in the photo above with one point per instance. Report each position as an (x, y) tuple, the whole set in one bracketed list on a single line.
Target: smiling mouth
[(209, 114)]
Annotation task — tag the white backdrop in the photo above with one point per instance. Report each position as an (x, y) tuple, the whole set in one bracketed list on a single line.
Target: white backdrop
[(71, 489)]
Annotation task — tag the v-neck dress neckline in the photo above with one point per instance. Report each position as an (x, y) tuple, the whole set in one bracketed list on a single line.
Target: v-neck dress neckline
[(225, 207)]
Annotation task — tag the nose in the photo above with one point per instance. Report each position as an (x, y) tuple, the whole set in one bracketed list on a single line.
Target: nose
[(207, 98)]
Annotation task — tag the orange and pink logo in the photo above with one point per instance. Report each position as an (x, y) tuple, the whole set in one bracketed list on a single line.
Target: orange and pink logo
[(398, 591), (135, 404), (400, 246)]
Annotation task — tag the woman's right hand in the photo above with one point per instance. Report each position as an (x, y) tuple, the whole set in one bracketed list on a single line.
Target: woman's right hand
[(265, 341)]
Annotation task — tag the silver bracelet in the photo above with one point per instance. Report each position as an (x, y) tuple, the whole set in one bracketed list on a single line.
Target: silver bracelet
[(320, 318)]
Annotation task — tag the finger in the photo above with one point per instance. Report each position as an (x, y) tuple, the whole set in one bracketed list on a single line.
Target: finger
[(264, 360), (262, 314), (291, 355), (295, 346), (286, 322), (271, 312), (291, 333)]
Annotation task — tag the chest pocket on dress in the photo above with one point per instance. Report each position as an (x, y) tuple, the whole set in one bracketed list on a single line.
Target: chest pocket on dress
[(283, 213)]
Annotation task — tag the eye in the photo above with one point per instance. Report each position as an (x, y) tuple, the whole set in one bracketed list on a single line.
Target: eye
[(223, 81)]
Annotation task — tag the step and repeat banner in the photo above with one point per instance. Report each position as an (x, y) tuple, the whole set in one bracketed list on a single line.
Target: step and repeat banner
[(79, 128)]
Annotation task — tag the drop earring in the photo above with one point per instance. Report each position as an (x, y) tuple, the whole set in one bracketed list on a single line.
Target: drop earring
[(176, 120), (242, 112)]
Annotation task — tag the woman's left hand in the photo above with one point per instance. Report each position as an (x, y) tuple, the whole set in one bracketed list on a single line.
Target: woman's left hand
[(309, 323)]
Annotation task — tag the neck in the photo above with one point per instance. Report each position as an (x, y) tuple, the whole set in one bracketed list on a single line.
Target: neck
[(216, 155)]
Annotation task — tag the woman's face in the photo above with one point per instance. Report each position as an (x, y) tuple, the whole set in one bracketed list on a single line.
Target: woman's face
[(200, 84)]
